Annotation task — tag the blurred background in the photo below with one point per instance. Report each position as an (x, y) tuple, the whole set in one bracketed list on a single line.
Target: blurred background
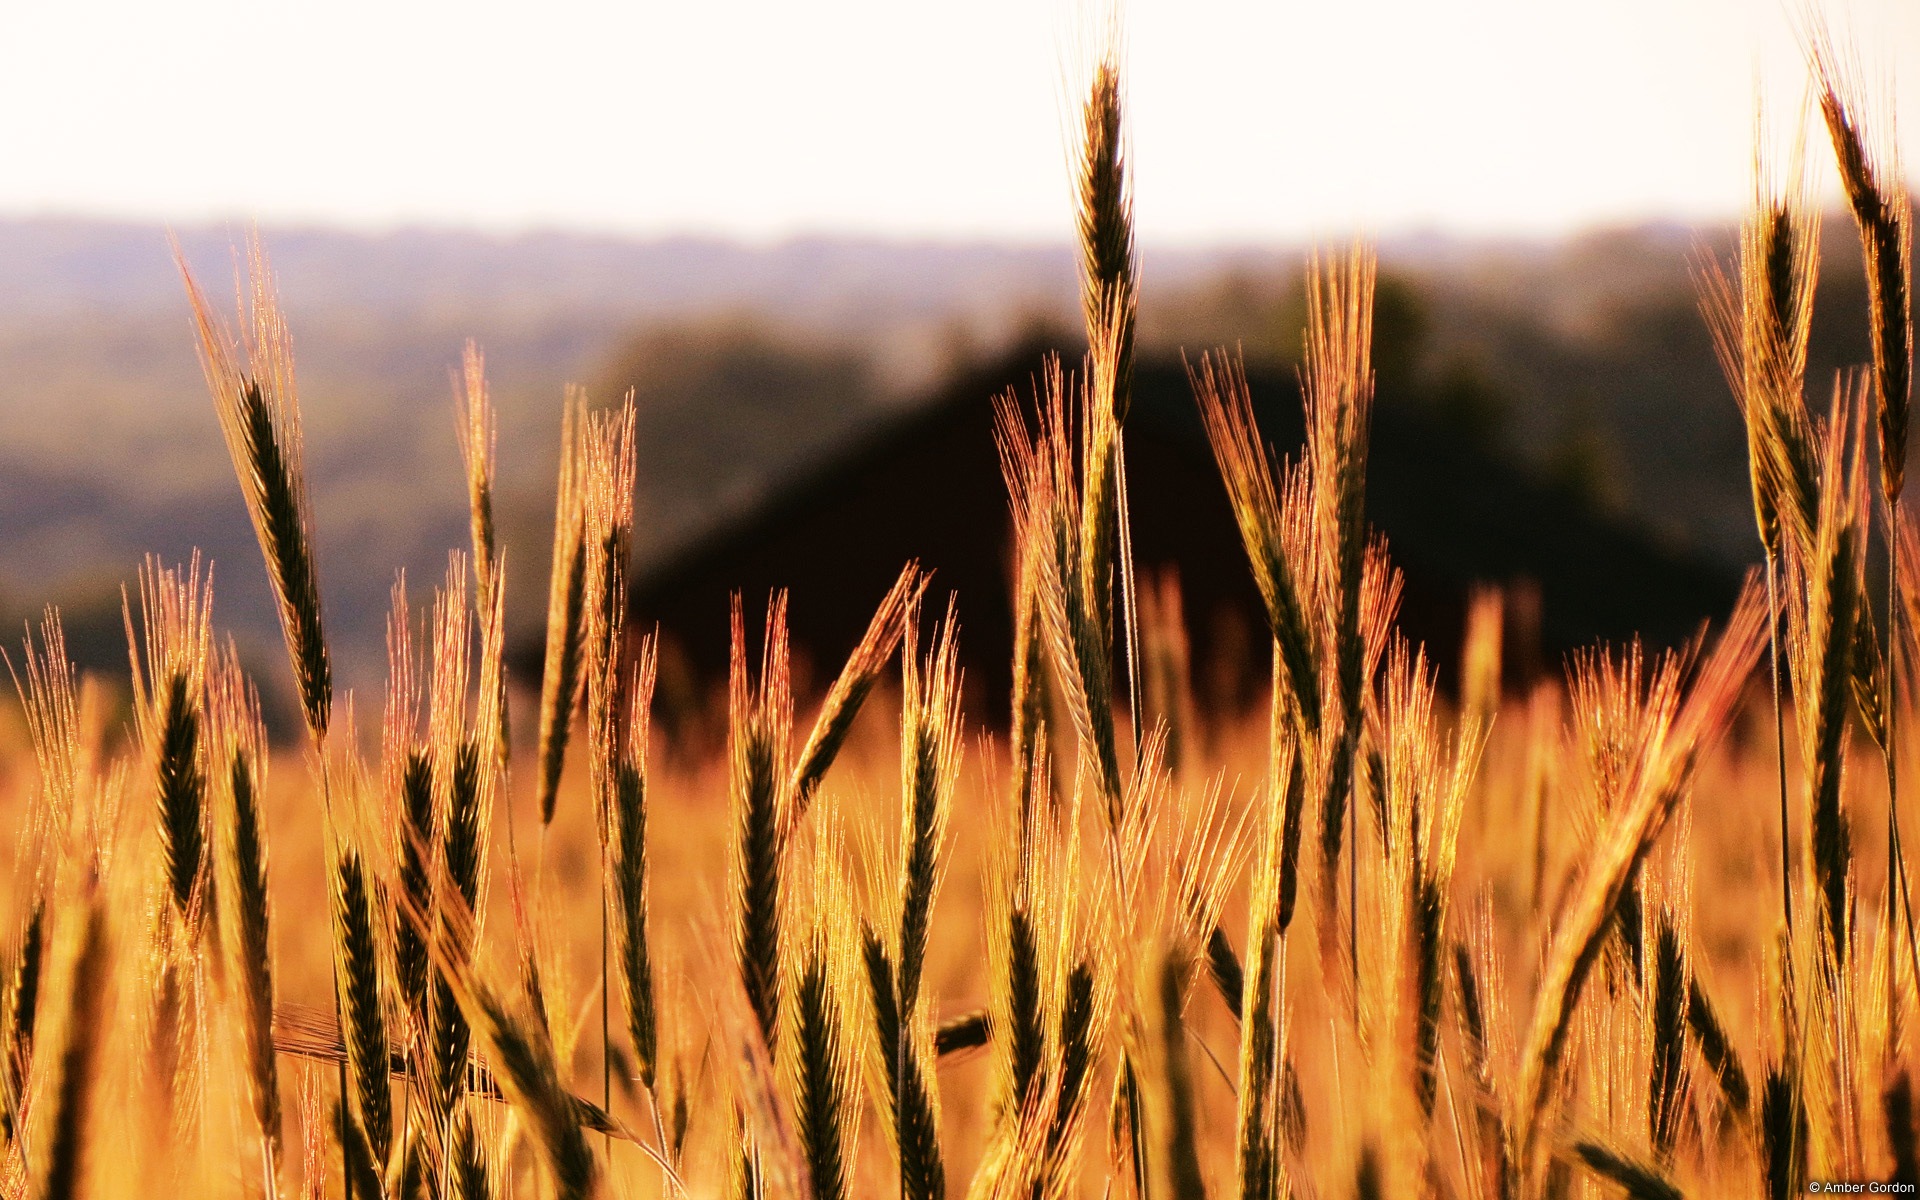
[(800, 234)]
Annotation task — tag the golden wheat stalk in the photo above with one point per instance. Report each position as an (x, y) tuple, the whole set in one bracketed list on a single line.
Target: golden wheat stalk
[(1085, 1008), (62, 1171), (1259, 1165), (562, 677), (26, 960), (1668, 977), (1186, 857), (478, 443), (1877, 196), (1268, 505), (851, 688), (1050, 505), (360, 966), (52, 717), (1421, 779), (911, 1098), (1031, 466), (259, 407), (1102, 502), (312, 1034), (1639, 1180), (627, 872), (50, 707), (462, 851), (1337, 385), (412, 812), (1760, 330), (1104, 211), (1823, 625), (1027, 726), (765, 1157), (759, 729), (1760, 315), (1871, 176), (1477, 978), (607, 534), (823, 1089), (1021, 907), (1049, 1014), (1104, 218), (825, 1054), (521, 1055), (465, 777), (1678, 727), (240, 759), (169, 700), (929, 770), (893, 952)]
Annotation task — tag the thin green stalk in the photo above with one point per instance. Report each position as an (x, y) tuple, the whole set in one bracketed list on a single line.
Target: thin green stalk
[(1896, 856), (1779, 739), (606, 1023), (1353, 899)]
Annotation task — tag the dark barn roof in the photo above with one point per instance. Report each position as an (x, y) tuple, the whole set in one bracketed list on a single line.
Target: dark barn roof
[(928, 487)]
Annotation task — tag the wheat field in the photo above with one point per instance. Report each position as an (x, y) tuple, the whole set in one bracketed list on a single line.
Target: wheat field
[(1643, 930)]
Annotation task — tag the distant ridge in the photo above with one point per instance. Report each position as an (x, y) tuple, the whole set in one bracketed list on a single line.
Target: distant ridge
[(1595, 337), (55, 263)]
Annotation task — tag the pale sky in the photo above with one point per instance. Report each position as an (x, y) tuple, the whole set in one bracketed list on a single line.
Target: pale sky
[(757, 119)]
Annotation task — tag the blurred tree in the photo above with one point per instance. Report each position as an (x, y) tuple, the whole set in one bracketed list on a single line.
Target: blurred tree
[(1468, 402), (1585, 460), (725, 409)]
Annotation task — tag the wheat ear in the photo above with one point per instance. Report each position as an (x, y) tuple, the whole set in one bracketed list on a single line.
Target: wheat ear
[(241, 750), (929, 763), (823, 1095), (1870, 176), (1076, 630), (259, 408), (1104, 212), (826, 1039), (929, 768), (1822, 659), (1027, 727), (1268, 507), (362, 1002), (1716, 1047), (169, 696), (62, 1172), (760, 723), (1760, 328), (561, 680), (911, 1102), (1668, 976), (1640, 1181), (1337, 385), (628, 876), (478, 444)]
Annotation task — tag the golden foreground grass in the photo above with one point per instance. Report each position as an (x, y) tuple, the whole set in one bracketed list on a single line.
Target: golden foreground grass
[(1637, 932)]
